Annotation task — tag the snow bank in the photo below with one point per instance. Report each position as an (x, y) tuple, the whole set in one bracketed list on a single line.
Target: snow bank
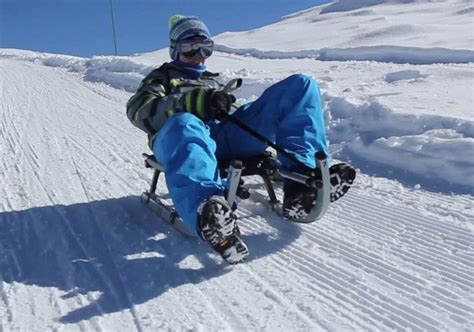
[(118, 72), (348, 5), (398, 54), (434, 155), (384, 53), (404, 75), (434, 150), (72, 64)]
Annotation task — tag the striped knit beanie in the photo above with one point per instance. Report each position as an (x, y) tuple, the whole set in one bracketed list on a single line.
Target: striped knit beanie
[(182, 27)]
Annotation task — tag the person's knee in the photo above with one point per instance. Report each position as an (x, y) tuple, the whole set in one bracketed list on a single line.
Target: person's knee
[(184, 127), (182, 122), (302, 80), (179, 130)]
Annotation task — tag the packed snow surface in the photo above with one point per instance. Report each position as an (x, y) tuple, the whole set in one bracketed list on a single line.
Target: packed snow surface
[(80, 252)]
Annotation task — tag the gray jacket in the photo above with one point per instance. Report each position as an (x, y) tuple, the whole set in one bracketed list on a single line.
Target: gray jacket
[(162, 94)]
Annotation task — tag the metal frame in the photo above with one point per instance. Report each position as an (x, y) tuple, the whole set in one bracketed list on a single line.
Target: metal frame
[(264, 166)]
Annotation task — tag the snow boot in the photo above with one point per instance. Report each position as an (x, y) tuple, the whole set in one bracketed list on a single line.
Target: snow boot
[(218, 226), (300, 199), (342, 176)]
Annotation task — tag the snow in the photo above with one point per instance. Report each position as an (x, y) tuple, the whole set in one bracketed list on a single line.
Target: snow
[(79, 251), (382, 53), (417, 32)]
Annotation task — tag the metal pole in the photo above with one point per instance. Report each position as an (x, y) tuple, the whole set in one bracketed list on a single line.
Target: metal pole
[(113, 25), (263, 139)]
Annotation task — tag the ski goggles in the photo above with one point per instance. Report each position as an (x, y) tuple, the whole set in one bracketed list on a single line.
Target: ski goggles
[(191, 47)]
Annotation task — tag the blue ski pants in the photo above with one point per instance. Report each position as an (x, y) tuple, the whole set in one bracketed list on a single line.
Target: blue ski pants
[(288, 113)]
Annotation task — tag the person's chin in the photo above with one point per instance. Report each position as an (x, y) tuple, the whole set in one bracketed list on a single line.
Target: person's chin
[(200, 62)]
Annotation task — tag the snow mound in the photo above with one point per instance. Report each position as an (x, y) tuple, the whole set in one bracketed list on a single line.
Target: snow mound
[(436, 156), (382, 53), (350, 5), (403, 75), (119, 72), (430, 150), (400, 31)]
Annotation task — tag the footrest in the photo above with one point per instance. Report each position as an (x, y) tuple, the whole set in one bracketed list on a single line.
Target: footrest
[(263, 165), (151, 162)]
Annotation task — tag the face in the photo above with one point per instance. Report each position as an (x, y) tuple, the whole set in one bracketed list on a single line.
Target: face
[(195, 50), (198, 59)]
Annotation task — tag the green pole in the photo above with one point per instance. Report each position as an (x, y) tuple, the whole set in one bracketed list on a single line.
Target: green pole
[(113, 25)]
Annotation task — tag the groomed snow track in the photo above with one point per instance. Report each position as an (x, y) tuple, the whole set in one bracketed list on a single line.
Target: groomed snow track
[(78, 250)]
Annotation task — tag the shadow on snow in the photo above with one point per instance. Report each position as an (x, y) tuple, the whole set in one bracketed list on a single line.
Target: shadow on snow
[(102, 246)]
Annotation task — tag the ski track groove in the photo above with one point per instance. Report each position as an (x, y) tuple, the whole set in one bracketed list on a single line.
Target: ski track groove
[(327, 285), (458, 240), (410, 229), (456, 310), (413, 242), (252, 284), (279, 298), (32, 160), (72, 236), (427, 299), (428, 235), (455, 234), (80, 297), (338, 307), (108, 253), (445, 300), (343, 275), (391, 277), (257, 224), (123, 181), (455, 273), (6, 301), (259, 283), (206, 299), (418, 241), (236, 322), (364, 294)]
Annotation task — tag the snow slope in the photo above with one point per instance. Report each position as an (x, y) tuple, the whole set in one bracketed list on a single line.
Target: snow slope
[(79, 251), (402, 31)]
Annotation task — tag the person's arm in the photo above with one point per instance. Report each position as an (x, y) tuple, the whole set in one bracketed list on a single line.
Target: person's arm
[(152, 104), (149, 107)]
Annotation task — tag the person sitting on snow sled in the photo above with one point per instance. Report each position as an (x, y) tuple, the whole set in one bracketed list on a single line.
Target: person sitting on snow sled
[(179, 106)]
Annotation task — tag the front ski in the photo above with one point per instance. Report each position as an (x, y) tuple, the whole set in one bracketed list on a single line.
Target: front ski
[(166, 212)]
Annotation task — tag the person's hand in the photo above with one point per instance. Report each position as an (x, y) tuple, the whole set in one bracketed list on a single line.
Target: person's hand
[(220, 104), (208, 104)]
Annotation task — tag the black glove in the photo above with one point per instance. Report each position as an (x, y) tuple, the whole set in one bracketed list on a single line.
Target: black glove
[(208, 104), (220, 104)]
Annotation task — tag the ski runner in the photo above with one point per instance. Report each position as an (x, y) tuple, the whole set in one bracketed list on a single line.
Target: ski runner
[(179, 106)]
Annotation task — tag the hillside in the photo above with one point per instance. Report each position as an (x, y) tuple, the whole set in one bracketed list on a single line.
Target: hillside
[(80, 252)]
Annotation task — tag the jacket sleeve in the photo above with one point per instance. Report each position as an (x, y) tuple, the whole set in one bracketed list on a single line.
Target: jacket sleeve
[(150, 106)]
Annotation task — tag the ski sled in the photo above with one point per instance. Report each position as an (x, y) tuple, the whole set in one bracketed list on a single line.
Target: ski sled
[(266, 166)]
